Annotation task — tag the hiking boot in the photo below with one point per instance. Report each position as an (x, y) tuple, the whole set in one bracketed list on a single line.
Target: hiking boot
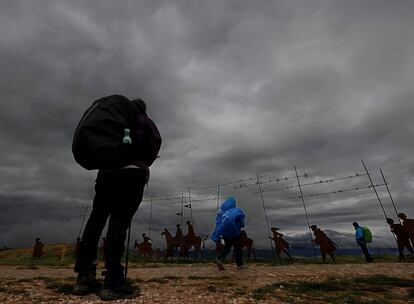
[(108, 294), (241, 267), (86, 282), (220, 265), (123, 288), (118, 290), (116, 286)]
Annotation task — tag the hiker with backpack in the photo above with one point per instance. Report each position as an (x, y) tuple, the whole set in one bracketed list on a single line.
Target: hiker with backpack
[(363, 236), (115, 136), (229, 222)]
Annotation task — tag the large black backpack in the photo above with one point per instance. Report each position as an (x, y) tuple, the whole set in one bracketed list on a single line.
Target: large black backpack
[(97, 142)]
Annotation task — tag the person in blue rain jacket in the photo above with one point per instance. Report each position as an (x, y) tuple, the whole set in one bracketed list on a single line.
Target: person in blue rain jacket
[(360, 240), (229, 222)]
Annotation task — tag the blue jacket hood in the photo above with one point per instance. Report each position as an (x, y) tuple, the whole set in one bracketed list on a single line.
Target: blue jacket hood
[(229, 203), (229, 220)]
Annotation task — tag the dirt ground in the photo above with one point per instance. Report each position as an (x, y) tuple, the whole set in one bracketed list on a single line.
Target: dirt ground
[(204, 283)]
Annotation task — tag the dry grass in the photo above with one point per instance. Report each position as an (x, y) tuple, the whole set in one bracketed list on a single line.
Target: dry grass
[(297, 283)]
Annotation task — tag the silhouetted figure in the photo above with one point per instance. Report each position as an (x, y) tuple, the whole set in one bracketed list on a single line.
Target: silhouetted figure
[(130, 146), (190, 230), (403, 239), (179, 236), (192, 240), (247, 243), (38, 249), (408, 225), (179, 233), (281, 244), (77, 246), (360, 239), (145, 247), (327, 246), (146, 239), (229, 222)]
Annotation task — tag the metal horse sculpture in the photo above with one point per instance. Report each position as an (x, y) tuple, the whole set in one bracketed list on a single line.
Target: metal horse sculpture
[(194, 241), (246, 242), (173, 243)]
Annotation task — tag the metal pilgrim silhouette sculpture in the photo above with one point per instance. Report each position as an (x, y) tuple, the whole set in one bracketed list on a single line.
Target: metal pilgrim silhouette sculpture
[(145, 247), (327, 246), (183, 242), (281, 244)]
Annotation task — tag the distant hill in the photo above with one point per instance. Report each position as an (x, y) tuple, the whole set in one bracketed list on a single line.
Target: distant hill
[(308, 252), (63, 254)]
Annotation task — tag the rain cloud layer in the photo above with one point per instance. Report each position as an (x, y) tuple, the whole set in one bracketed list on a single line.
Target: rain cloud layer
[(237, 88)]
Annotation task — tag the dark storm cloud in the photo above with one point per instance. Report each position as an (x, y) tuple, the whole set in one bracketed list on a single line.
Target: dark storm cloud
[(237, 88)]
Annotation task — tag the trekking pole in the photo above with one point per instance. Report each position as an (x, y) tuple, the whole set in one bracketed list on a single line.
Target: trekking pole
[(265, 213), (376, 193), (83, 220), (375, 190), (150, 219), (389, 193), (127, 251), (306, 215)]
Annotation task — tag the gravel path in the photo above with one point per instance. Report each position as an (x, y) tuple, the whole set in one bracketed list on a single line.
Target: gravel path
[(185, 283)]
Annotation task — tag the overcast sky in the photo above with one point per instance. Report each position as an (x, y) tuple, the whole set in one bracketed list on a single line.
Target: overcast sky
[(236, 88)]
